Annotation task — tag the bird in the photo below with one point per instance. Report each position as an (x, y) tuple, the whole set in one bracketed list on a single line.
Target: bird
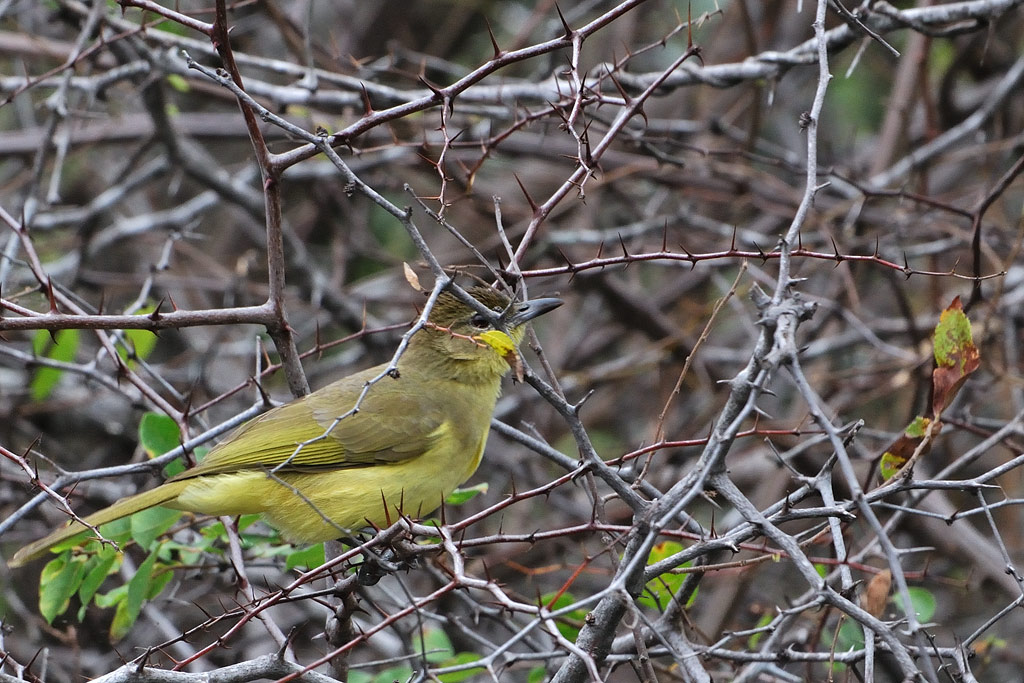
[(417, 434)]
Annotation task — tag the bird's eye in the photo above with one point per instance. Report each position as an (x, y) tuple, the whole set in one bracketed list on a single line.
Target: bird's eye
[(479, 321)]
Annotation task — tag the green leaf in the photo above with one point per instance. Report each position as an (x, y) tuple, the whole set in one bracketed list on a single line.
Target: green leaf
[(148, 525), (246, 521), (754, 639), (437, 647), (923, 601), (45, 379), (538, 674), (217, 531), (112, 597), (568, 624), (59, 581), (213, 531), (101, 566), (309, 558), (851, 636), (158, 434), (119, 531), (459, 676), (73, 542), (177, 466), (918, 427), (395, 673), (160, 580), (460, 496), (170, 26), (128, 610)]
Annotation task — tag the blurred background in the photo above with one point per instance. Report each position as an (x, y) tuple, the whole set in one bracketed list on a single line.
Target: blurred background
[(130, 183)]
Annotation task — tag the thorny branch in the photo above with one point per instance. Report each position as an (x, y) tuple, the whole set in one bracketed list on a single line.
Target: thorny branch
[(589, 152)]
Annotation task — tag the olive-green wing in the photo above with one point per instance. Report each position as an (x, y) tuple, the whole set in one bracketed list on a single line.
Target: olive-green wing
[(392, 424)]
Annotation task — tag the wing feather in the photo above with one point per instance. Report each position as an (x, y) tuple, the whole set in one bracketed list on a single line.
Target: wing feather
[(412, 426)]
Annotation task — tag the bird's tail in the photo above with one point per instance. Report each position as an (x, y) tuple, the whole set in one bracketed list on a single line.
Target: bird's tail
[(122, 508)]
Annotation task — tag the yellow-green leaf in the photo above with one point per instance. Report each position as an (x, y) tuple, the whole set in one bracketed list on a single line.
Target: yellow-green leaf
[(178, 82), (141, 342), (660, 590), (45, 379), (890, 465), (755, 638), (952, 336)]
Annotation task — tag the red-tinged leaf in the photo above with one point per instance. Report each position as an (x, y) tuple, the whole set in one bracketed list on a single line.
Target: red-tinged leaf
[(956, 356), (900, 450)]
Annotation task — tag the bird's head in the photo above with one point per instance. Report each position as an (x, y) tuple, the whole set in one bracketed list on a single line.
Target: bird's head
[(462, 337)]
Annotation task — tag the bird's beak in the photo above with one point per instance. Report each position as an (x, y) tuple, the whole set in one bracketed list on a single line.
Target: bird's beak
[(525, 311)]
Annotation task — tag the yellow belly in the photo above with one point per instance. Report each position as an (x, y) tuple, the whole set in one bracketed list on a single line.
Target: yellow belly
[(313, 507)]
